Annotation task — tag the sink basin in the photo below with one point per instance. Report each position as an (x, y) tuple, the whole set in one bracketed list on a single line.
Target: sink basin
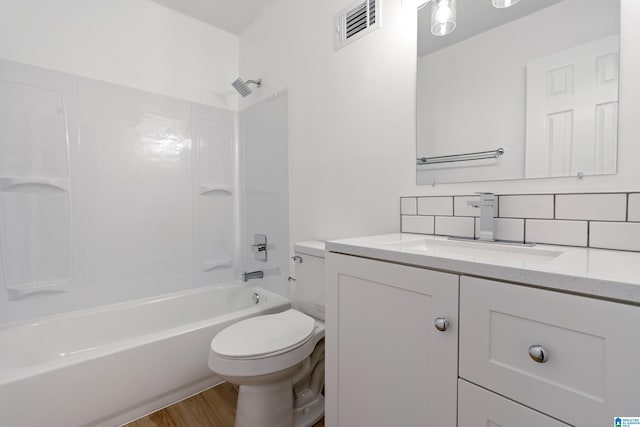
[(494, 252)]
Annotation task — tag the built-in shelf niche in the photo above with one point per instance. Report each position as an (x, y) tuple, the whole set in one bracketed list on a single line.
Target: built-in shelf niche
[(216, 199), (35, 209), (213, 189), (217, 264)]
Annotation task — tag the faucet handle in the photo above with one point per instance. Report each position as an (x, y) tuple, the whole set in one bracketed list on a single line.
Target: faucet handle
[(487, 197)]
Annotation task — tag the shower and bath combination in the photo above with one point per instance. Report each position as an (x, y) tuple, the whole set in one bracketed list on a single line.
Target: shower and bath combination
[(243, 87)]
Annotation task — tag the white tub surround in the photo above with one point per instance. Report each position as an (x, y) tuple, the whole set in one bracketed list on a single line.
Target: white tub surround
[(592, 272), (109, 194), (595, 220), (110, 365)]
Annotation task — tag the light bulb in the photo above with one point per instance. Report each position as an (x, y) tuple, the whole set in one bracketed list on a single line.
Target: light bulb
[(501, 4), (443, 14), (443, 17)]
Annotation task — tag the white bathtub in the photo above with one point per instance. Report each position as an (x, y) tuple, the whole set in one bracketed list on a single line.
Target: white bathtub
[(109, 365)]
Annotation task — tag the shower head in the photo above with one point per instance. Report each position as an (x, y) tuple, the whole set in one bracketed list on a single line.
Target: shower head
[(243, 87)]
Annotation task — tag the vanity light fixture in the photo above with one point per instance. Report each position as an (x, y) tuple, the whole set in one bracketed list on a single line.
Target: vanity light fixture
[(501, 4), (443, 13), (443, 17)]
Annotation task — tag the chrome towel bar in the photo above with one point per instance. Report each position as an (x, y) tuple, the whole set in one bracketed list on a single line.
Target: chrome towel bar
[(480, 155)]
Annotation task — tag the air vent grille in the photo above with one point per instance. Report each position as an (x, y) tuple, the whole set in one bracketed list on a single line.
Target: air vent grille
[(355, 21), (372, 12)]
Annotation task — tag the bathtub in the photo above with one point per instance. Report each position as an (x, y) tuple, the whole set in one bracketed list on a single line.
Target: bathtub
[(110, 365)]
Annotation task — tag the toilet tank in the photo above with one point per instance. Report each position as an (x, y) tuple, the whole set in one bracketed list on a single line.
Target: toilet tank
[(307, 294)]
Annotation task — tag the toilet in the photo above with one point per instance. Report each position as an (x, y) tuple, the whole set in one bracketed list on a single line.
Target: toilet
[(278, 359)]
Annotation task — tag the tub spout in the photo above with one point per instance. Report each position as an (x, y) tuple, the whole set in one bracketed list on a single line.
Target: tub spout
[(246, 276)]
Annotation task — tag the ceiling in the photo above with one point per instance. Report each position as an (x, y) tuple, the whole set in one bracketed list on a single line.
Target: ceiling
[(472, 17), (233, 16)]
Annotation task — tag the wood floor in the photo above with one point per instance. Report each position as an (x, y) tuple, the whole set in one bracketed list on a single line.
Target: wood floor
[(215, 407)]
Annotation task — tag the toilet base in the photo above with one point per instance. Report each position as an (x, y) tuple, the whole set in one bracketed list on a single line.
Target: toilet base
[(268, 405), (309, 414), (271, 405)]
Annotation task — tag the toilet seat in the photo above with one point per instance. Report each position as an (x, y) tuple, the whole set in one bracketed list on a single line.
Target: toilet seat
[(294, 347), (264, 336)]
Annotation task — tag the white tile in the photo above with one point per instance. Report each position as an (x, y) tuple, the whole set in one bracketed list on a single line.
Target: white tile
[(603, 207), (570, 233), (526, 206), (454, 226), (435, 206), (506, 229), (634, 207), (408, 206), (417, 224), (615, 235), (462, 208)]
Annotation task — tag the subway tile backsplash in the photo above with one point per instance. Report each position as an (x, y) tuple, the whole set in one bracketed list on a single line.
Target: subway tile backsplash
[(526, 206), (417, 224), (598, 220), (458, 226), (435, 205), (409, 206), (605, 207), (634, 207), (615, 235), (570, 233)]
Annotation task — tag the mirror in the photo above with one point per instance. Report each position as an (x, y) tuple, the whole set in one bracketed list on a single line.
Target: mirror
[(529, 91)]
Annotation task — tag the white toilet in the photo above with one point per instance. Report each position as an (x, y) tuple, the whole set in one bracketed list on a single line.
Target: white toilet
[(278, 359)]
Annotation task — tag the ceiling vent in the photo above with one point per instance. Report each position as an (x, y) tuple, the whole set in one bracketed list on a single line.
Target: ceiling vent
[(357, 20)]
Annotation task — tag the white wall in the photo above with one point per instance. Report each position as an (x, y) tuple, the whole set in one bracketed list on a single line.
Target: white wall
[(135, 43), (352, 117), (351, 113), (472, 95)]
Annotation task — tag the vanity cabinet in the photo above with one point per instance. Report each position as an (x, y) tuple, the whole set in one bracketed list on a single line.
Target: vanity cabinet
[(585, 361), (511, 355), (387, 364), (478, 407)]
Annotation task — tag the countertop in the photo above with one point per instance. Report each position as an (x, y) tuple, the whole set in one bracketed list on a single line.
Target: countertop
[(591, 272)]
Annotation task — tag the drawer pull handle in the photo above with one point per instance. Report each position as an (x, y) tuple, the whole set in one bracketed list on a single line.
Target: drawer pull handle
[(441, 324), (538, 353)]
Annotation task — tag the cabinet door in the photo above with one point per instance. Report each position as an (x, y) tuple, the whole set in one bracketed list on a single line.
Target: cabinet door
[(590, 372), (478, 407), (386, 362)]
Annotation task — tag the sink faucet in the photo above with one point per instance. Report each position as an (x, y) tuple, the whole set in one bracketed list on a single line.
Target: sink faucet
[(252, 275), (486, 203)]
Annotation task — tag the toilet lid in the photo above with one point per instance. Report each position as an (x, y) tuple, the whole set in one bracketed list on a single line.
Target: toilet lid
[(263, 335)]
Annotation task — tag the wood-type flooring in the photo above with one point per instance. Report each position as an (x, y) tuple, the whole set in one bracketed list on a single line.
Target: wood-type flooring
[(215, 407)]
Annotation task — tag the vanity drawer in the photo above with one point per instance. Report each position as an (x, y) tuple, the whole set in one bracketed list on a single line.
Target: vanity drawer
[(590, 373), (478, 407)]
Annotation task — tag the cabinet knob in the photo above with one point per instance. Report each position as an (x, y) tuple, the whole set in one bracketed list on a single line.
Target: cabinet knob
[(538, 353), (441, 324)]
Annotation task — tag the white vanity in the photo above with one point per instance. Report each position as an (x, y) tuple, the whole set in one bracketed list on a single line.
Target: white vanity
[(426, 331)]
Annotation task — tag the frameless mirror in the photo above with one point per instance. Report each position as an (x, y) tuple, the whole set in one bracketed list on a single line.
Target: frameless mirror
[(529, 91)]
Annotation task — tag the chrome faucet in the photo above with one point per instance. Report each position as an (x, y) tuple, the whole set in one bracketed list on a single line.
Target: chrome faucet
[(487, 204), (246, 276)]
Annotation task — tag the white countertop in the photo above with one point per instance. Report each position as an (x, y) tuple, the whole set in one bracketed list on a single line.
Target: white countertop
[(592, 272)]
